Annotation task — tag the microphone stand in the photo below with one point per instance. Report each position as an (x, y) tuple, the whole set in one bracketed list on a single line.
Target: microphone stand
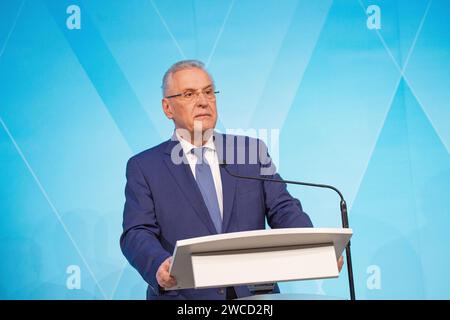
[(344, 216)]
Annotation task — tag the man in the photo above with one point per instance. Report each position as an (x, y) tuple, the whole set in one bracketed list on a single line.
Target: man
[(178, 190)]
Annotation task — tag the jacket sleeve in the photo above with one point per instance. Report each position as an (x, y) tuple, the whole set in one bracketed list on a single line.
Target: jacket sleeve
[(282, 210), (140, 238)]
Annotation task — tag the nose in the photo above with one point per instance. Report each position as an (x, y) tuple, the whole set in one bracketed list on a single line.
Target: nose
[(201, 99)]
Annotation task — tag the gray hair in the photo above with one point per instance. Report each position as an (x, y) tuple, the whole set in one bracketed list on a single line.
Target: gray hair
[(181, 65)]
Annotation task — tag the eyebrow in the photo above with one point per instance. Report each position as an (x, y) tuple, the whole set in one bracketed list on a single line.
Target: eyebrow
[(192, 89)]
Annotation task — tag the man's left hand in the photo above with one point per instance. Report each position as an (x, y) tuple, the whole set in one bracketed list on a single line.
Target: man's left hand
[(340, 263)]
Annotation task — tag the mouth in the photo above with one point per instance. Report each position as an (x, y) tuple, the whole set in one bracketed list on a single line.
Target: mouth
[(202, 116)]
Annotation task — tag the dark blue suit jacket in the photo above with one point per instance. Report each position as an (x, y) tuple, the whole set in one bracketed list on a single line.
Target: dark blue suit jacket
[(164, 204)]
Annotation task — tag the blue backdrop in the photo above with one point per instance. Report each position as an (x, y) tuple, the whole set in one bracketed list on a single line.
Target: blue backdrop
[(352, 93)]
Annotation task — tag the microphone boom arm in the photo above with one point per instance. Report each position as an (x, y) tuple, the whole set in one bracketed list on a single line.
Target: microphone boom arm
[(343, 209)]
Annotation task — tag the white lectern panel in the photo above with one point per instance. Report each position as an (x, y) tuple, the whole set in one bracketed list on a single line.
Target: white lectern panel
[(258, 256)]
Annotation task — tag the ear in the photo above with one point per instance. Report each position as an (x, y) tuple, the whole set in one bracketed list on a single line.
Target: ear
[(167, 108)]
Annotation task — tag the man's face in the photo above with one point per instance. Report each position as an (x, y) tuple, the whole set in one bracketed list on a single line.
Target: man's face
[(199, 108)]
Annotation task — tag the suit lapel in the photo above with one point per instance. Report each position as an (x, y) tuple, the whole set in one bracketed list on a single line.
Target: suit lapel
[(183, 176), (228, 182)]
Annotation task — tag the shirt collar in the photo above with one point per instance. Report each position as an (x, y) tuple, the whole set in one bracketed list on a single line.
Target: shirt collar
[(187, 146)]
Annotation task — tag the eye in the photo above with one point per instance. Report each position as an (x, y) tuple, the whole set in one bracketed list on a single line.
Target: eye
[(188, 94)]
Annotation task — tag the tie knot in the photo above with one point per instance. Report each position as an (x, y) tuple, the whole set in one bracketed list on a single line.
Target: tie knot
[(199, 153)]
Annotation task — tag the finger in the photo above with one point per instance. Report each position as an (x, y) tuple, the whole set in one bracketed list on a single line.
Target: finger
[(340, 263), (167, 278), (172, 282), (164, 283), (169, 282), (166, 264), (161, 277)]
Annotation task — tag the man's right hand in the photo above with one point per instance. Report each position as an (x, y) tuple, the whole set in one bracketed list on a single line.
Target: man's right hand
[(163, 277)]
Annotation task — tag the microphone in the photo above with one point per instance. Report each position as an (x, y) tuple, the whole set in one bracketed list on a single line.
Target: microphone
[(343, 208)]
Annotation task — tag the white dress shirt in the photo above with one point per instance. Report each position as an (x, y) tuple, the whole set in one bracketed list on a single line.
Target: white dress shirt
[(211, 158)]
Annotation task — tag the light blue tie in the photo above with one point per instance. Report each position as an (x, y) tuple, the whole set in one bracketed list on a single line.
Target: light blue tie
[(206, 185)]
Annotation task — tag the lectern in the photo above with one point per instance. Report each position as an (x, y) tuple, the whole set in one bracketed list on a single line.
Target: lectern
[(259, 256)]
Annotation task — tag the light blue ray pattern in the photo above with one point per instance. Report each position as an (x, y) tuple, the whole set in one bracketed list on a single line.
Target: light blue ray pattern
[(76, 104)]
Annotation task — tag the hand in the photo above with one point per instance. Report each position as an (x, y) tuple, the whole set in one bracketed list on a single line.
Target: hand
[(340, 263), (163, 277)]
